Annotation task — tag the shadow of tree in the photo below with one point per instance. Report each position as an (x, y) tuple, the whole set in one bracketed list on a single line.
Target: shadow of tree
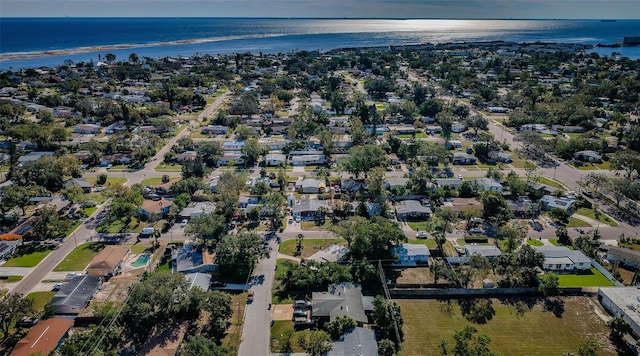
[(478, 311), (555, 305), (520, 305)]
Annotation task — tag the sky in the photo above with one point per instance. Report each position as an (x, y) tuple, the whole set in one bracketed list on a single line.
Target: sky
[(518, 9)]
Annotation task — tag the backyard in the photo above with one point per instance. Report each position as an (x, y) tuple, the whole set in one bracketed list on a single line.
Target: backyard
[(283, 337), (527, 330), (80, 257), (40, 299), (592, 278)]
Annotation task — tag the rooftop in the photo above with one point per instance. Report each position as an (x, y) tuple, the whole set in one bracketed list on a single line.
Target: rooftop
[(43, 338)]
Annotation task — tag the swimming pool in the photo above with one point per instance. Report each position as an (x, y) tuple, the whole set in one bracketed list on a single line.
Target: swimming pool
[(141, 260)]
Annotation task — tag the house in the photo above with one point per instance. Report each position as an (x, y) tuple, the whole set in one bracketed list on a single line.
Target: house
[(215, 130), (213, 184), (341, 299), (198, 209), (355, 341), (232, 146), (458, 127), (307, 160), (549, 202), (230, 159), (275, 159), (187, 156), (625, 256), (244, 201), (44, 338), (454, 144), (524, 207), (568, 129), (410, 254), (192, 258), (23, 230), (80, 183), (588, 156), (451, 183), (412, 210), (308, 209), (152, 207), (34, 156), (497, 109), (461, 204), (352, 185), (622, 302), (311, 186), (7, 248), (108, 261), (76, 294), (87, 129), (560, 258), (392, 182), (199, 280), (333, 253), (461, 158), (501, 156), (487, 184), (488, 251)]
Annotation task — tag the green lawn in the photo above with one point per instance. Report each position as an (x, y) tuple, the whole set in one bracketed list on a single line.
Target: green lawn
[(277, 294), (168, 168), (309, 246), (40, 299), (154, 181), (283, 334), (606, 165), (507, 330), (165, 267), (80, 257), (603, 218), (140, 248), (118, 168), (118, 226), (551, 183), (575, 222), (430, 243), (110, 180), (28, 256), (519, 163), (312, 225), (10, 279), (422, 225), (591, 278), (535, 242)]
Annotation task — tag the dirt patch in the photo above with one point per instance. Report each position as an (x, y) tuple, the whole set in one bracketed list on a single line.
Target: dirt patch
[(282, 312), (166, 340)]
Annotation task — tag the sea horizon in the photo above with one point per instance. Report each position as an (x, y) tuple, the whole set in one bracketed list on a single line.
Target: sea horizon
[(58, 39)]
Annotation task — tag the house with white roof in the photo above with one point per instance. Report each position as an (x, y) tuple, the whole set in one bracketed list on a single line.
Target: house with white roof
[(486, 184), (560, 258), (549, 202), (410, 255)]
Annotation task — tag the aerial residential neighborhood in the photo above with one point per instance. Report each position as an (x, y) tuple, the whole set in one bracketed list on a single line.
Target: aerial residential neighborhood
[(409, 200)]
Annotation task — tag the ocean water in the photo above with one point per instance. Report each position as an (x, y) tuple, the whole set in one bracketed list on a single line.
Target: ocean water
[(27, 42)]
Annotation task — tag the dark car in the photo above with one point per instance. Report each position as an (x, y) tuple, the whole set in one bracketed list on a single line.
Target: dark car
[(218, 284)]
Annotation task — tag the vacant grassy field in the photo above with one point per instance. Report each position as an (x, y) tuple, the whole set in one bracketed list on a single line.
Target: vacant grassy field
[(309, 246), (534, 332), (591, 278), (80, 257), (551, 183), (312, 225), (603, 218), (28, 256), (118, 226), (154, 181), (40, 299), (284, 338), (430, 243), (168, 168), (575, 222), (534, 242), (110, 180)]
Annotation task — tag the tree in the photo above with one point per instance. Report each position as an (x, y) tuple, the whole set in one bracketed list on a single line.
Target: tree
[(514, 232), (588, 347), (102, 179), (467, 343), (477, 122), (386, 347), (208, 228), (549, 284), (383, 315), (110, 57), (495, 207), (363, 158), (315, 342), (201, 346), (133, 58), (237, 254), (244, 132), (372, 240), (12, 307), (339, 325), (252, 150), (627, 161), (49, 225), (219, 309), (299, 245)]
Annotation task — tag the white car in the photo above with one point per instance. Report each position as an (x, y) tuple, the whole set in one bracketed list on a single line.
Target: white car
[(184, 223), (422, 235), (298, 219), (460, 176)]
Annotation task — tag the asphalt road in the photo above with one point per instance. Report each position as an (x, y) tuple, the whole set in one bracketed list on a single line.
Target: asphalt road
[(256, 333)]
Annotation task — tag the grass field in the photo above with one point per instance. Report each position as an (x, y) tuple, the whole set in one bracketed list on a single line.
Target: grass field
[(40, 299), (28, 256), (534, 332), (421, 225), (311, 225), (80, 257), (309, 246), (534, 242), (551, 183), (168, 168), (10, 279), (575, 222), (283, 338), (118, 226), (430, 243), (110, 180), (232, 338), (277, 297), (591, 278), (603, 218), (155, 181)]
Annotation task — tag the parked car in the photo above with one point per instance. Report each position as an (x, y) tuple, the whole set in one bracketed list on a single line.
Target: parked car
[(218, 284), (250, 296), (298, 304), (184, 223), (299, 312), (422, 235), (57, 286)]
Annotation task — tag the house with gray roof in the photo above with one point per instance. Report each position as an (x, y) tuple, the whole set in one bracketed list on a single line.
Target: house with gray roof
[(560, 258), (486, 184), (549, 202), (76, 294), (341, 299), (197, 209), (588, 156), (391, 182), (190, 259), (355, 341), (275, 159), (412, 210), (307, 160), (311, 186), (488, 251), (452, 183), (625, 256), (199, 280), (308, 208), (461, 158), (7, 248), (411, 255)]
